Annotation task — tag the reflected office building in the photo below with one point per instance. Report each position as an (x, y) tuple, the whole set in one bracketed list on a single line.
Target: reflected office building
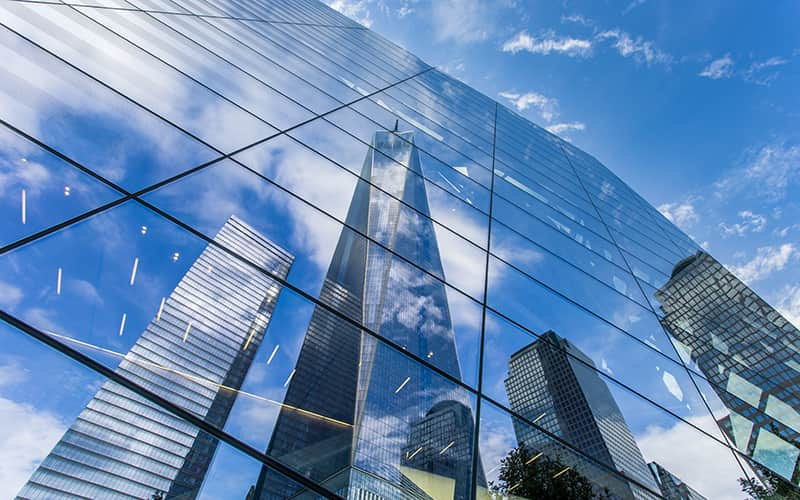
[(747, 350), (555, 385), (672, 488), (393, 429), (196, 353)]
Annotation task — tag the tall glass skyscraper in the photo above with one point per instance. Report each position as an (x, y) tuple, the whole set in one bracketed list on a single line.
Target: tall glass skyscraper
[(747, 349), (348, 375), (555, 384), (197, 351), (672, 488), (469, 306)]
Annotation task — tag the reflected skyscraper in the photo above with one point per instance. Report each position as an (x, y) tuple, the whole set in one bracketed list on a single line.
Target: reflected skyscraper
[(555, 385), (195, 352), (672, 488), (747, 350), (379, 404), (439, 450)]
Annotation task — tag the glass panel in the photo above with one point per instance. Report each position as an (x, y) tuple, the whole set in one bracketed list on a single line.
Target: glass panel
[(551, 268), (311, 234), (584, 434), (137, 75), (38, 189), (95, 126), (511, 293), (191, 48), (615, 358), (77, 433), (529, 461)]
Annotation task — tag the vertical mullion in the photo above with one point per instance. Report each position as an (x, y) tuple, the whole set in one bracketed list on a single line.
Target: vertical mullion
[(476, 437)]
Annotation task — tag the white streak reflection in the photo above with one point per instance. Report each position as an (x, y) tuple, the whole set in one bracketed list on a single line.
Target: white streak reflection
[(133, 271), (274, 352)]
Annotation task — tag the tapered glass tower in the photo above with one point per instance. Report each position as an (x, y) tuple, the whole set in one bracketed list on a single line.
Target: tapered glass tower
[(371, 397)]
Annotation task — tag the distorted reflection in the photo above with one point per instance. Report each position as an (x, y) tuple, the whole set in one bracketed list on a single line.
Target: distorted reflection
[(554, 383), (353, 377), (122, 444), (748, 352)]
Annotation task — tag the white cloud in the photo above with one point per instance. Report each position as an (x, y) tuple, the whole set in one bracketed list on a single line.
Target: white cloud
[(10, 295), (454, 68), (762, 72), (632, 5), (463, 264), (751, 222), (85, 290), (23, 173), (719, 68), (681, 214), (784, 231), (462, 21), (547, 106), (759, 72), (547, 43), (26, 435), (12, 374), (404, 10), (767, 260), (638, 48), (577, 18), (672, 385), (357, 10), (712, 470), (768, 172), (789, 304), (496, 441), (560, 128), (42, 318)]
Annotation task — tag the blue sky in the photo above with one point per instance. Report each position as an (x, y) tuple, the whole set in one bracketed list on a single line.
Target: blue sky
[(694, 105)]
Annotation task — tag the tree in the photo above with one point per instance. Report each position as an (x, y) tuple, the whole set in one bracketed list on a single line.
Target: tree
[(772, 487), (524, 476)]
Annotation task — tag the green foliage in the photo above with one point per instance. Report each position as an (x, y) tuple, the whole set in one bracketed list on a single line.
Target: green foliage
[(771, 488), (542, 477)]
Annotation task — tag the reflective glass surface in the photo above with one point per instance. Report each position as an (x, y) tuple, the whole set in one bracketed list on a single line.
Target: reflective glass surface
[(254, 250)]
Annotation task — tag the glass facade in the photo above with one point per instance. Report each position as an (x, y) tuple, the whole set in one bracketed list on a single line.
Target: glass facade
[(253, 250)]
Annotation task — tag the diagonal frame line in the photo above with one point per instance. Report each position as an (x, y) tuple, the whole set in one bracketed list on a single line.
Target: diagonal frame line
[(166, 404), (128, 195), (191, 14), (488, 308)]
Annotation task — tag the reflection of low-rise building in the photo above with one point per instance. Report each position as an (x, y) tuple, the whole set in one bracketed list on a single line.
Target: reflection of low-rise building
[(672, 488), (439, 450), (196, 352), (747, 350), (555, 385)]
